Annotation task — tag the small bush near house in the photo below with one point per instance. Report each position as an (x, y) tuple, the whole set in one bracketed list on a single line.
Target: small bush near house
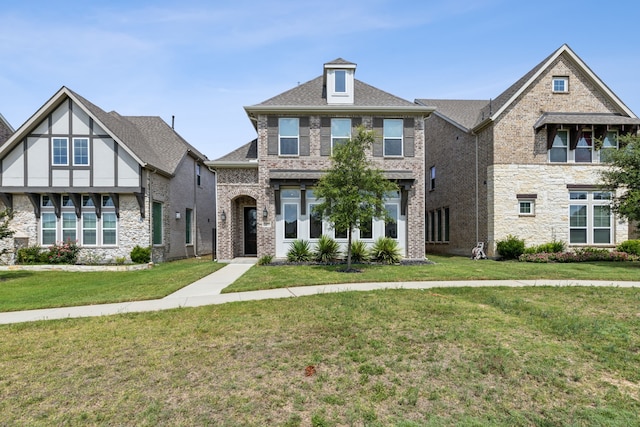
[(120, 260), (265, 260), (580, 255), (327, 249), (385, 250), (63, 253), (299, 251), (31, 255), (510, 248), (632, 247), (552, 247), (140, 255), (359, 251)]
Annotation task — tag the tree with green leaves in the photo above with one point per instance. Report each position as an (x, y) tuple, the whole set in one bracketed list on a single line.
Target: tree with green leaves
[(5, 217), (352, 190), (624, 174)]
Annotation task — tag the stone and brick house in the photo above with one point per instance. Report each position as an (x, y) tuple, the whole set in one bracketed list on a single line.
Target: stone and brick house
[(75, 172), (265, 188), (526, 163)]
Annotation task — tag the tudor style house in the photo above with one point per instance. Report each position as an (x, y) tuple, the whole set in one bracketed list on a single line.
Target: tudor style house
[(526, 163), (265, 188), (109, 182)]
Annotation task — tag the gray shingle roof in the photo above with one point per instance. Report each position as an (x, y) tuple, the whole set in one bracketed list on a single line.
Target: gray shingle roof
[(339, 61), (150, 138), (312, 93), (247, 153), (585, 119), (466, 113)]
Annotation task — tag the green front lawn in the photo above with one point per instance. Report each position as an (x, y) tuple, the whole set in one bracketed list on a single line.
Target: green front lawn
[(445, 268), (537, 356), (26, 290)]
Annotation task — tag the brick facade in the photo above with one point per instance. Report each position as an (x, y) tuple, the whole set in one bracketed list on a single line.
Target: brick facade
[(481, 171)]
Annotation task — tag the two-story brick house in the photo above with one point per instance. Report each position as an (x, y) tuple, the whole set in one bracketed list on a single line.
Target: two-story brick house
[(75, 172), (265, 193), (526, 163)]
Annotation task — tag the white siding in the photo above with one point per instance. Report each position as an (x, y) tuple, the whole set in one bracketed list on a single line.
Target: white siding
[(128, 171), (38, 165), (103, 153), (80, 121), (81, 178), (97, 130), (60, 118), (60, 178), (13, 168)]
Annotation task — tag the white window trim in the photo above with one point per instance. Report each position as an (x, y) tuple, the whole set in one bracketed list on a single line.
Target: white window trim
[(340, 137), (280, 136), (42, 229), (564, 79), (384, 139), (96, 229), (590, 203), (88, 152), (532, 205), (102, 229), (53, 163)]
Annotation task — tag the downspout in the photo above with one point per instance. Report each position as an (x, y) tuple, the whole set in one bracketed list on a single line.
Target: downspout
[(194, 220), (477, 193), (150, 210)]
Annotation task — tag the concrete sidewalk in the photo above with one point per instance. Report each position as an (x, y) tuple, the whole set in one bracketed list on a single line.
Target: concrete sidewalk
[(206, 291)]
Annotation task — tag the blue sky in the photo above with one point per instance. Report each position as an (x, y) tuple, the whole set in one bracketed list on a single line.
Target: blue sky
[(202, 61)]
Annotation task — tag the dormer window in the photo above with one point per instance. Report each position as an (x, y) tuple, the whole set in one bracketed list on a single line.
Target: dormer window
[(340, 81), (560, 84)]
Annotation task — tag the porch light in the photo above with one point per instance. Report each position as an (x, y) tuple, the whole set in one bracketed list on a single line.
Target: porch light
[(223, 216), (265, 213)]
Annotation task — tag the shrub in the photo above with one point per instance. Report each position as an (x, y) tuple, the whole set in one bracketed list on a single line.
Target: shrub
[(63, 253), (140, 255), (327, 249), (359, 251), (385, 250), (120, 260), (299, 251), (632, 247), (30, 255), (265, 260), (552, 247), (580, 255), (511, 247)]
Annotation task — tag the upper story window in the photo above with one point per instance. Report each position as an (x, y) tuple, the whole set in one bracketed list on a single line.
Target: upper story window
[(198, 176), (392, 130), (60, 152), (81, 151), (609, 145), (558, 151), (579, 145), (340, 131), (584, 148), (560, 84), (340, 81), (289, 136)]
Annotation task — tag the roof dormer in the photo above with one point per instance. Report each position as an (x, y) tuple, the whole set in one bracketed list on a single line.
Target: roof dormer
[(338, 79)]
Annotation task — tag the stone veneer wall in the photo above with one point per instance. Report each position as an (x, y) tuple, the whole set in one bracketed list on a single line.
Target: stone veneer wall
[(132, 230), (549, 184), (266, 198)]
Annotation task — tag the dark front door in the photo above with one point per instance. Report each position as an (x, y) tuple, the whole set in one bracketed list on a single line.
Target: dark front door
[(250, 231)]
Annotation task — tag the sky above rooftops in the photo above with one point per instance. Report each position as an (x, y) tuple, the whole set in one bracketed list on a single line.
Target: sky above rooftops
[(202, 61)]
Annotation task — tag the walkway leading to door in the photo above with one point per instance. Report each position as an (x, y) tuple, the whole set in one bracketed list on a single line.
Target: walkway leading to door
[(206, 291)]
